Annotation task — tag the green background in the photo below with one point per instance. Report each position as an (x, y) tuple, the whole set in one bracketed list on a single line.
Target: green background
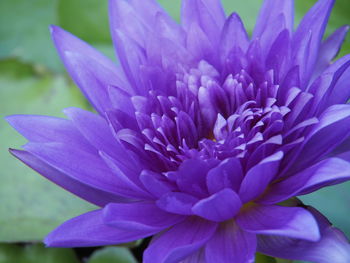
[(33, 81)]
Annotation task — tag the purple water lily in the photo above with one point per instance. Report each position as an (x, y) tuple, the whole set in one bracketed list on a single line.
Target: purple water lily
[(203, 135)]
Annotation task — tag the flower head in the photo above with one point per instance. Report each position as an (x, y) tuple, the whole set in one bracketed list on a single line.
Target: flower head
[(201, 134)]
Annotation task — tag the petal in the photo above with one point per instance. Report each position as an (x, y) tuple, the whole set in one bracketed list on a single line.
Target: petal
[(127, 185), (131, 57), (207, 14), (329, 49), (178, 203), (89, 230), (98, 132), (84, 191), (269, 12), (156, 183), (278, 56), (258, 177), (278, 220), (325, 173), (233, 35), (218, 207), (231, 244), (330, 88), (179, 241), (82, 166), (332, 247), (143, 216), (90, 70), (313, 25), (191, 177), (326, 135), (37, 128), (228, 174)]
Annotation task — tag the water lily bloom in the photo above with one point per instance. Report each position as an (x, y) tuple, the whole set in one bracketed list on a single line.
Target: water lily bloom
[(203, 135)]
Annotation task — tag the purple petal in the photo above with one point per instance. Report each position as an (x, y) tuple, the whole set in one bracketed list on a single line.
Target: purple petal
[(156, 183), (191, 177), (82, 166), (233, 35), (331, 130), (37, 128), (178, 203), (274, 17), (228, 174), (207, 14), (142, 216), (90, 70), (258, 177), (269, 11), (325, 173), (179, 241), (278, 56), (332, 247), (279, 220), (89, 230), (81, 189), (231, 244), (329, 49), (127, 185), (94, 128), (219, 207), (330, 87), (312, 26), (196, 257), (131, 57)]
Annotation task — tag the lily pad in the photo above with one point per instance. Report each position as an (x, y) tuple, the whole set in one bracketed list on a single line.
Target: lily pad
[(112, 254)]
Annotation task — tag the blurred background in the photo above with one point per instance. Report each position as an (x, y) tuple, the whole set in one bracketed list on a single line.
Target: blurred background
[(33, 81)]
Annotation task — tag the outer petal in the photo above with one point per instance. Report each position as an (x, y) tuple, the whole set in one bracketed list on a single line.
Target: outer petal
[(178, 203), (278, 220), (312, 27), (275, 17), (89, 230), (82, 166), (331, 131), (325, 173), (259, 177), (331, 87), (329, 49), (228, 174), (179, 242), (231, 244), (81, 189), (97, 131), (332, 247), (37, 128), (207, 14), (233, 35), (90, 70), (143, 216), (191, 177), (219, 207), (269, 11)]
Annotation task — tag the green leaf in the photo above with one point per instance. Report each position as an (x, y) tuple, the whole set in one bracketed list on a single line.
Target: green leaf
[(87, 19), (260, 258), (36, 254), (112, 255), (24, 31), (31, 206)]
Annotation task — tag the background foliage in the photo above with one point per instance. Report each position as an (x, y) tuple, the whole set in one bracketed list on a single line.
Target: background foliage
[(33, 81)]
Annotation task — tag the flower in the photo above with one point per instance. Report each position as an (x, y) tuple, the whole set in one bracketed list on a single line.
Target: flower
[(203, 136)]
